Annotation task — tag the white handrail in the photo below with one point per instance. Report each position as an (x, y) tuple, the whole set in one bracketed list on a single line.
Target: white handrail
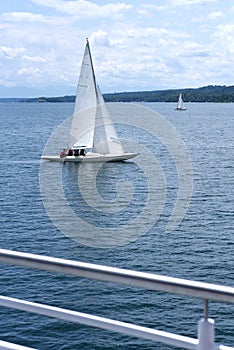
[(4, 345), (206, 291), (150, 281), (101, 322)]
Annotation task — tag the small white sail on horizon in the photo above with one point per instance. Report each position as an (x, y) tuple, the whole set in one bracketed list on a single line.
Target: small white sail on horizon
[(180, 105), (92, 130)]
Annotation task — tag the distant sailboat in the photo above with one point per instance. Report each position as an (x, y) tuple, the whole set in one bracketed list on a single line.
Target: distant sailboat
[(180, 105), (92, 135)]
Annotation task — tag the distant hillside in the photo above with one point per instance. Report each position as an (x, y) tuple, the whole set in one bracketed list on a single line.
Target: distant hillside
[(204, 94), (211, 93)]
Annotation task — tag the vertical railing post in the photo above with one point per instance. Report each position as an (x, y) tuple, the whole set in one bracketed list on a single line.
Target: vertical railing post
[(206, 333)]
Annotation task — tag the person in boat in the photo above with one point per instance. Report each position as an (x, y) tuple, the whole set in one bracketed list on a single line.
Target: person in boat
[(63, 153), (82, 152), (76, 152), (70, 152)]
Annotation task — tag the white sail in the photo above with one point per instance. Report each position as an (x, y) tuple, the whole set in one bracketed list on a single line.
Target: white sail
[(83, 122), (105, 137), (91, 125), (180, 104)]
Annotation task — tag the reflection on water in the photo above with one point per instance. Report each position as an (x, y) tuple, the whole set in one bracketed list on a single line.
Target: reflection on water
[(107, 197)]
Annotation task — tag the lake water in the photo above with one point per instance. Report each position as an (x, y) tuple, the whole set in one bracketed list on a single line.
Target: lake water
[(201, 246)]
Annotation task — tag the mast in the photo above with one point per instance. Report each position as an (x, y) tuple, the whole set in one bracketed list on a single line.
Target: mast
[(91, 61)]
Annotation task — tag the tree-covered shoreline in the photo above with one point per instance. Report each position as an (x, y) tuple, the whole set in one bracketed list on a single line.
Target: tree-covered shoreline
[(211, 93), (203, 94)]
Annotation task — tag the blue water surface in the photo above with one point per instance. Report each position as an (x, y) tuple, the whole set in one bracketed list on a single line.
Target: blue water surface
[(200, 248)]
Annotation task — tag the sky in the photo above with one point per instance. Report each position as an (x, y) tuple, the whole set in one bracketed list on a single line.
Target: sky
[(135, 45)]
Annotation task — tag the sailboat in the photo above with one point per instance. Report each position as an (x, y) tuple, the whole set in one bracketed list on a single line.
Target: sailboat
[(180, 105), (93, 137)]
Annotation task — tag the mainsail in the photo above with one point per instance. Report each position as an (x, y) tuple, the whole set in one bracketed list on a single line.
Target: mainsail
[(83, 121)]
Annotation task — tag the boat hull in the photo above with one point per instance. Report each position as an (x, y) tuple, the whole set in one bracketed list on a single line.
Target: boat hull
[(92, 158)]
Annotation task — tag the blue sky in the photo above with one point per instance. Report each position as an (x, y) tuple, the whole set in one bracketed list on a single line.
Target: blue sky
[(136, 45)]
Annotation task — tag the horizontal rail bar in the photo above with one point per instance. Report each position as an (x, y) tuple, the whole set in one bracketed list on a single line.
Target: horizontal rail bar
[(101, 322), (115, 275), (10, 346)]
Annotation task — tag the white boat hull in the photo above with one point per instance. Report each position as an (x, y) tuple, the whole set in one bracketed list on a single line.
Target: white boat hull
[(92, 157)]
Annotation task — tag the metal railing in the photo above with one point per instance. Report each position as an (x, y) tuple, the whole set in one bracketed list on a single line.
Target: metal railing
[(205, 291)]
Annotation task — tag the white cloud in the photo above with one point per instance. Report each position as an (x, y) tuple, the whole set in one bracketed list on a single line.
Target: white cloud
[(29, 71), (33, 18), (33, 59), (100, 38), (223, 37), (191, 2), (7, 83), (83, 8), (24, 16), (11, 52), (216, 15), (147, 9)]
